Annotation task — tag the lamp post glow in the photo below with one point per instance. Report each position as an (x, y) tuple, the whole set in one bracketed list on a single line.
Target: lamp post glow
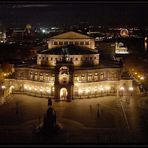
[(122, 90), (131, 90), (41, 90), (107, 89), (142, 78), (102, 89), (3, 88)]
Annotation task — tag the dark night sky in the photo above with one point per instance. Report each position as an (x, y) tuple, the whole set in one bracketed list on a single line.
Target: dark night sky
[(51, 13)]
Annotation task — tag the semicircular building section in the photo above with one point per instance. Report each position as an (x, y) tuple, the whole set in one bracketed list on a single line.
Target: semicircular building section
[(70, 68)]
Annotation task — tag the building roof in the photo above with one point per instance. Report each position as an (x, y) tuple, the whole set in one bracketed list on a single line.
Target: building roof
[(71, 35), (70, 50)]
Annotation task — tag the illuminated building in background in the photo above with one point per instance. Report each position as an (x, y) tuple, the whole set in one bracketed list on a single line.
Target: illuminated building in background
[(70, 68), (28, 28), (145, 43), (2, 37), (120, 48)]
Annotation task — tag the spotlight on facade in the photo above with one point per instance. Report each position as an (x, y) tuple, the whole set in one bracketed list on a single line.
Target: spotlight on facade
[(101, 88), (35, 89), (3, 87), (48, 91), (122, 88), (141, 78), (25, 87), (107, 88), (87, 90), (5, 74), (80, 91), (131, 88), (12, 87), (29, 88)]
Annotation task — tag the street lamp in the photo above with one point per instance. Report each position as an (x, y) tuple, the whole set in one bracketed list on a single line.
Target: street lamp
[(142, 78), (107, 89), (122, 90), (3, 88), (131, 90), (41, 90), (102, 89)]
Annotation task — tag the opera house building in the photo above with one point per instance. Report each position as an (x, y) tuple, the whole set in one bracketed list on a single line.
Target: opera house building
[(71, 68)]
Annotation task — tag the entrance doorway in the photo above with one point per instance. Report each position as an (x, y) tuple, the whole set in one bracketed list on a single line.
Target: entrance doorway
[(63, 94)]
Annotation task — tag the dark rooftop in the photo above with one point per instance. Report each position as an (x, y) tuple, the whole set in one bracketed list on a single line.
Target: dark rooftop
[(69, 49)]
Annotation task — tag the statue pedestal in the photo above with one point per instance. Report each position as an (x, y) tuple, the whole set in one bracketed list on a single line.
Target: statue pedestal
[(50, 125)]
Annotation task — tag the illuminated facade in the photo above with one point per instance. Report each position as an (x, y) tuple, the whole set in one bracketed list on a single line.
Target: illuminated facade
[(120, 49), (70, 68)]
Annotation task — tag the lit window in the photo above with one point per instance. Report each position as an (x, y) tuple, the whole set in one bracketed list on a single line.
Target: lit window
[(89, 77), (96, 76), (31, 75), (76, 78), (41, 77), (101, 76), (83, 78), (35, 76), (47, 78)]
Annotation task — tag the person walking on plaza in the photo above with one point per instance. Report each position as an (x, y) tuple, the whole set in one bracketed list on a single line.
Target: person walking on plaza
[(90, 108), (98, 110), (17, 108), (98, 113)]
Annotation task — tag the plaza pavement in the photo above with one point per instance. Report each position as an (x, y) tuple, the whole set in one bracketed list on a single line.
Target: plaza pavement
[(22, 113)]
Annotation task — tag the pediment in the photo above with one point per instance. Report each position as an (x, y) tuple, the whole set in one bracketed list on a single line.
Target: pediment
[(71, 35)]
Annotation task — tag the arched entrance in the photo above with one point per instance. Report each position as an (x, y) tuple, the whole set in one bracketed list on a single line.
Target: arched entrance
[(63, 94)]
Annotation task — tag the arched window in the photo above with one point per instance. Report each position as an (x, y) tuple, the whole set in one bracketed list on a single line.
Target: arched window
[(31, 75), (96, 76), (36, 76), (41, 77), (89, 77), (101, 76)]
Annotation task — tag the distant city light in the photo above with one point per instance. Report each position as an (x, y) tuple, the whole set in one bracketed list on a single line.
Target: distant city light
[(43, 30)]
